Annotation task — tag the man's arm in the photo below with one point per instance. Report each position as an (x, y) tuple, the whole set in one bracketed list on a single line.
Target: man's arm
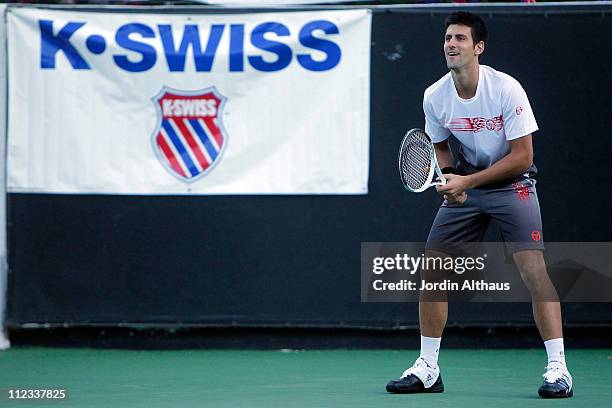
[(444, 155), (516, 162)]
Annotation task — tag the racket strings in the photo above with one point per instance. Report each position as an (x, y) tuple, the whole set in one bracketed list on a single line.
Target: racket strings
[(416, 158)]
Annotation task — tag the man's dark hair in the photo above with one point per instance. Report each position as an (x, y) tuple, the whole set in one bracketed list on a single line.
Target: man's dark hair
[(476, 24)]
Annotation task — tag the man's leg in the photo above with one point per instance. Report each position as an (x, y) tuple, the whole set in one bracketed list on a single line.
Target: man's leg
[(432, 318), (433, 307), (454, 223), (545, 303), (547, 315), (517, 211), (433, 313)]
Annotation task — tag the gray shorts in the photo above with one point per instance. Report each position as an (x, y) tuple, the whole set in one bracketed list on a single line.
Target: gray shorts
[(514, 207)]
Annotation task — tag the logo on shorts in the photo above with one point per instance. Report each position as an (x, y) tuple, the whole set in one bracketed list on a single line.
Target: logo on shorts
[(521, 190), (189, 138), (536, 235), (519, 110)]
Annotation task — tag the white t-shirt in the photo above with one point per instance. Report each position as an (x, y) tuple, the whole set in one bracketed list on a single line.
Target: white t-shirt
[(500, 111)]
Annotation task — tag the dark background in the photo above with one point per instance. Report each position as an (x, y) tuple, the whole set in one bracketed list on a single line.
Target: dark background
[(293, 261)]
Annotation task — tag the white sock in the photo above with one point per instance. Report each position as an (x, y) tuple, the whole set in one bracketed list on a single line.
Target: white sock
[(430, 347), (554, 349)]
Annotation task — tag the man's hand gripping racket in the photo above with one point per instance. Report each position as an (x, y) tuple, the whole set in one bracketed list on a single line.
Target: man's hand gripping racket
[(418, 165)]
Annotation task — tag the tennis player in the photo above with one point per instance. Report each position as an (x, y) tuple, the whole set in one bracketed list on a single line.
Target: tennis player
[(489, 114)]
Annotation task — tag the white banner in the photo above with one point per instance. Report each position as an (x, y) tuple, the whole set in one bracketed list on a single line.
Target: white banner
[(4, 342), (120, 103)]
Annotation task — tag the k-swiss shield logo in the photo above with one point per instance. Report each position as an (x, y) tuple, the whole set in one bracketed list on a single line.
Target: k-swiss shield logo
[(189, 138)]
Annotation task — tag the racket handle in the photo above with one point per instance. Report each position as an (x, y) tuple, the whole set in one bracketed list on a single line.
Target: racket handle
[(440, 181)]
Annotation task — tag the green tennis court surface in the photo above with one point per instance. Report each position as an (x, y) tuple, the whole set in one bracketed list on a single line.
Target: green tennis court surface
[(473, 378)]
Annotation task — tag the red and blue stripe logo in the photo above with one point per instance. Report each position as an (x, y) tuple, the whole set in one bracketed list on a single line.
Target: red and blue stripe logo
[(189, 139)]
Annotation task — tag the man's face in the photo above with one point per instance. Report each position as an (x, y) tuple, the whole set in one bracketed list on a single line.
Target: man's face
[(459, 47)]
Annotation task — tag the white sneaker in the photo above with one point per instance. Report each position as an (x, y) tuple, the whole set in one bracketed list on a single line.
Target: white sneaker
[(419, 378), (557, 382)]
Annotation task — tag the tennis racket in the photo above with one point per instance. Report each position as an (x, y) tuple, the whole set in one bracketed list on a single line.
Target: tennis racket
[(418, 163)]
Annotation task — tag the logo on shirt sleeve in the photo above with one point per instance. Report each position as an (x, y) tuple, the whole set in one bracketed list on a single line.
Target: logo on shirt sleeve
[(519, 110)]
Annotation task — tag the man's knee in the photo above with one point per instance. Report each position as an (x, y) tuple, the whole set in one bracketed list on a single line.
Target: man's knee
[(530, 262), (532, 267)]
